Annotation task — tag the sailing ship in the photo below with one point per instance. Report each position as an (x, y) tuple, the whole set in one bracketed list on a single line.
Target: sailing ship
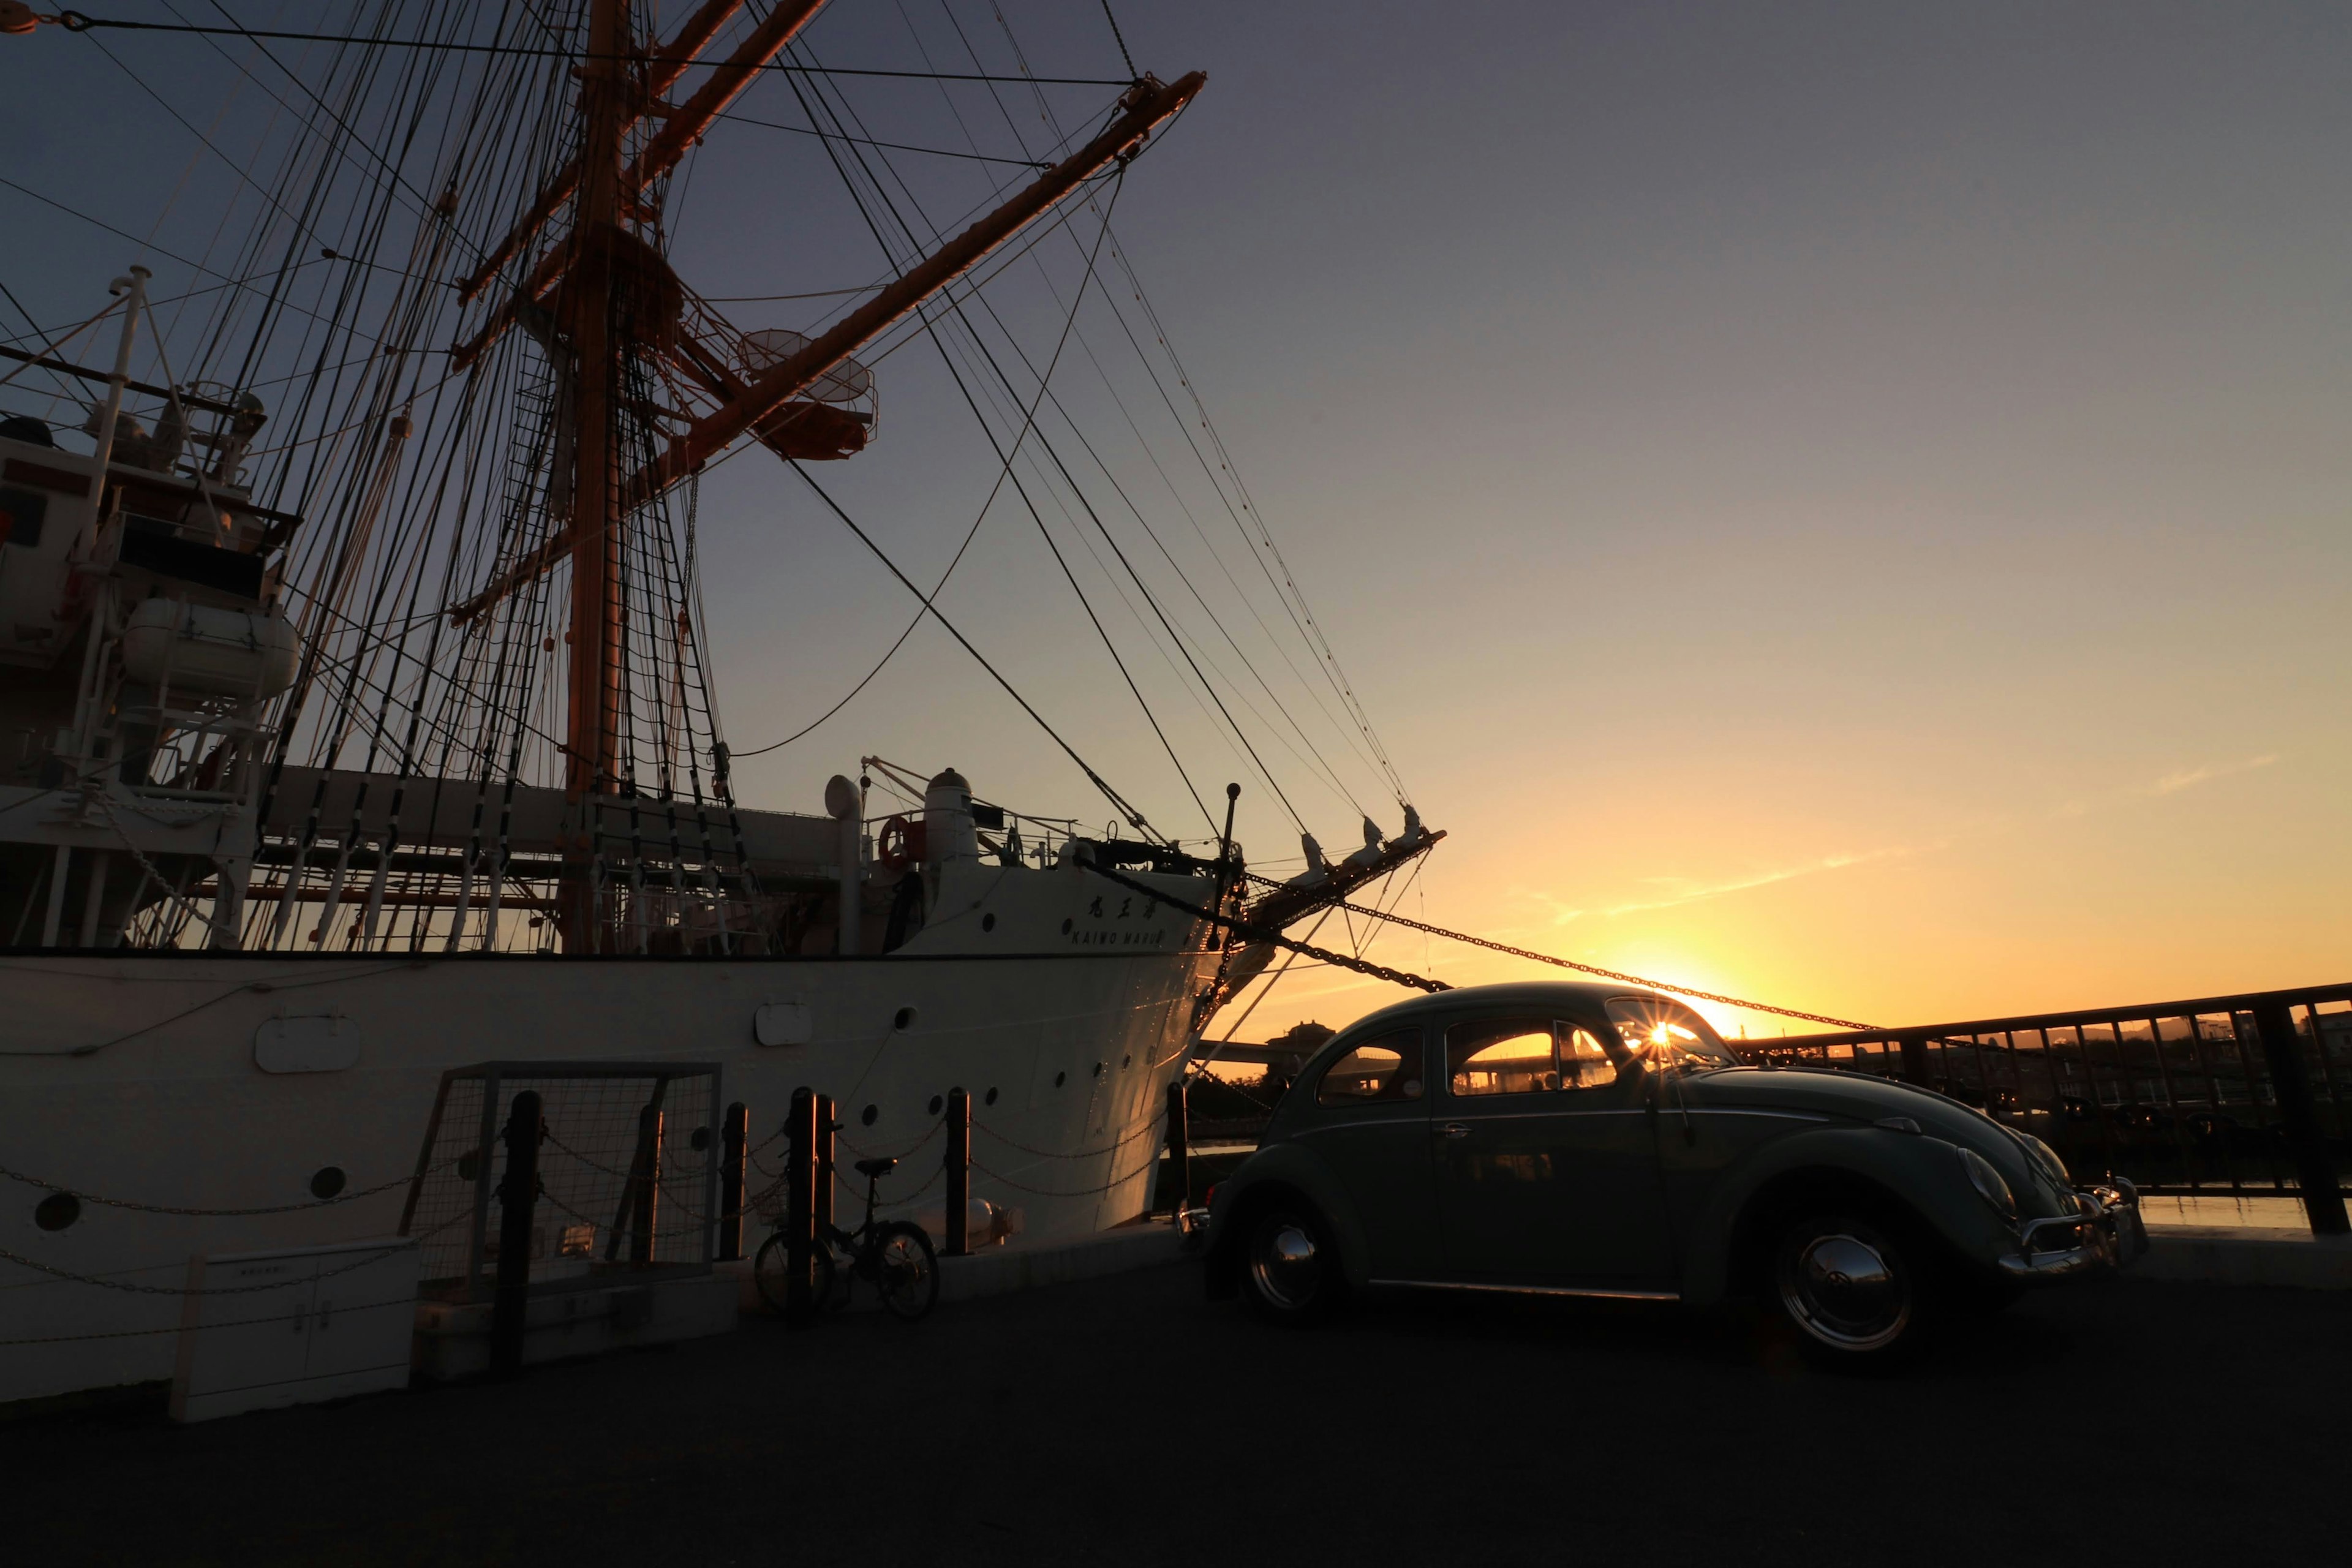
[(371, 735)]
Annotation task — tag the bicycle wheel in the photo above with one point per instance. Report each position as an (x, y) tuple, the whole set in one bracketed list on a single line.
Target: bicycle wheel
[(771, 1272), (905, 1271)]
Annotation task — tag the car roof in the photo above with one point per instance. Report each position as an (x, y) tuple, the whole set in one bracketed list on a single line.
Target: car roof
[(1534, 993)]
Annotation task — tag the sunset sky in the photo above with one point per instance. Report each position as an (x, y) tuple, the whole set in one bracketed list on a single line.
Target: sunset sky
[(1845, 505)]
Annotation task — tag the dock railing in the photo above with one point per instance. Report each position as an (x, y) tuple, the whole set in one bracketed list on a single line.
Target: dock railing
[(2237, 1096)]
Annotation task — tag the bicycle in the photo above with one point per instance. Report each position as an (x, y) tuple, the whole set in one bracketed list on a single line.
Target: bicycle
[(896, 1257)]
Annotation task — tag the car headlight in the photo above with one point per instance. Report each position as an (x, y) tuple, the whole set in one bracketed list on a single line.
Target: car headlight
[(1988, 1183), (2046, 1157)]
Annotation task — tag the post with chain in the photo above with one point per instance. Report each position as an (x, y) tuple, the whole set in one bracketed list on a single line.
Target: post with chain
[(2314, 1163), (518, 1196), (800, 1210), (1179, 1180), (734, 1141), (828, 1127), (959, 1172)]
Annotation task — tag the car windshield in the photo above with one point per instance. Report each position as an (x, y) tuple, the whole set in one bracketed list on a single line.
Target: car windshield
[(1666, 1036)]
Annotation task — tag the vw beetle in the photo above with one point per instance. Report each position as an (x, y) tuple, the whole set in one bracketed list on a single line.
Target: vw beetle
[(1592, 1139)]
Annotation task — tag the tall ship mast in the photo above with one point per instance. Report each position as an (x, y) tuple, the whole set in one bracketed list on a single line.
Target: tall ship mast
[(354, 671)]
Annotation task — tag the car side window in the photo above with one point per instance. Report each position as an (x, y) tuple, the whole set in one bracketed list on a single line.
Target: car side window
[(1524, 1056), (1386, 1068), (1583, 1063)]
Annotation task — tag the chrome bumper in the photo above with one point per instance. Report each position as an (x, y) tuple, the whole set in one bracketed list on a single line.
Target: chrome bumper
[(2104, 1236)]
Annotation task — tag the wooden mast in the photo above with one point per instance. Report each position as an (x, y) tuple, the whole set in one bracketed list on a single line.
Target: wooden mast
[(592, 741), (759, 401)]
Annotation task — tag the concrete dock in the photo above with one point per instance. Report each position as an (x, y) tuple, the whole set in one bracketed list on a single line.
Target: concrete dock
[(1122, 1420)]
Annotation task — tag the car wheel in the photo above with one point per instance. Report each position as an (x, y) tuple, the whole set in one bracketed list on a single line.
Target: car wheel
[(1857, 1294), (1289, 1271)]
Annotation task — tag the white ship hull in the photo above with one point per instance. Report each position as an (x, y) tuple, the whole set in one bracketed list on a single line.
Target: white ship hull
[(135, 1076)]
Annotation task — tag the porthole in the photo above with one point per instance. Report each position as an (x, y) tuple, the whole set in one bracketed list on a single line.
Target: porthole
[(327, 1181), (903, 1019), (988, 922), (1098, 1067), (869, 1115), (57, 1211), (469, 1165), (991, 1097), (699, 1138), (936, 1103), (1066, 928), (1060, 1078)]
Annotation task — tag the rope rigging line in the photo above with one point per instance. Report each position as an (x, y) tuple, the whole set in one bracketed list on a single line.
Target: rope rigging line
[(1301, 616), (955, 307), (1401, 977), (1046, 114), (1005, 458), (1492, 946), (894, 146), (1005, 471), (1119, 39), (1261, 934), (76, 22), (1129, 812)]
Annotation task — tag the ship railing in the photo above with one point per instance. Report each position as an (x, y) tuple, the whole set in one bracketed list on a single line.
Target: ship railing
[(2239, 1096)]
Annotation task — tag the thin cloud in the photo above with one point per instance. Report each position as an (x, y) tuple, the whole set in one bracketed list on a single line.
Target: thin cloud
[(1556, 911), (1685, 892), (2190, 778)]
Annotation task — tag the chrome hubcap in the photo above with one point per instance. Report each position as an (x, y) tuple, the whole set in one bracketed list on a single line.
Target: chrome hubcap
[(1842, 1288), (1286, 1267)]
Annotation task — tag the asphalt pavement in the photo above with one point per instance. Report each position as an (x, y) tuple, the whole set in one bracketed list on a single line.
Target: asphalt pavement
[(1125, 1422)]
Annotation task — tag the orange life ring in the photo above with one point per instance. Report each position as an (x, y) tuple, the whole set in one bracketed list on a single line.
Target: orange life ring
[(899, 843)]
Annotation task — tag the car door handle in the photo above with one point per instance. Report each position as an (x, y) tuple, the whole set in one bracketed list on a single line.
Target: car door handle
[(1452, 1129)]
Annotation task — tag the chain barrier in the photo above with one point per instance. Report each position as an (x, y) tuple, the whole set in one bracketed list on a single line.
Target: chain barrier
[(234, 1323), (880, 1199), (937, 1173), (69, 1274), (901, 1154), (1491, 946), (166, 1208), (1076, 1153), (1261, 934), (1050, 1192)]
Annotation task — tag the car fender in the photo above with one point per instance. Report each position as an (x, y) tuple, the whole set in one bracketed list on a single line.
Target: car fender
[(1301, 1170), (1922, 1174)]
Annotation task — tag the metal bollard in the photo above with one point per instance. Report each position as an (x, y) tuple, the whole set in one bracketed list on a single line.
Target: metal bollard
[(734, 1140), (800, 1214), (827, 1175), (645, 1169), (959, 1163), (1179, 1159), (518, 1196)]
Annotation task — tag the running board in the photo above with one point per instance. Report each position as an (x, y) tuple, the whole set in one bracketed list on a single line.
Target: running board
[(1527, 1289)]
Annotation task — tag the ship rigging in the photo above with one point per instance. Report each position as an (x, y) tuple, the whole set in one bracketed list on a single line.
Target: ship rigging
[(464, 699)]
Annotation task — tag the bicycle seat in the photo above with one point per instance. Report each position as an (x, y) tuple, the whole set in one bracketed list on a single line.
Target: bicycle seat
[(877, 1167)]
